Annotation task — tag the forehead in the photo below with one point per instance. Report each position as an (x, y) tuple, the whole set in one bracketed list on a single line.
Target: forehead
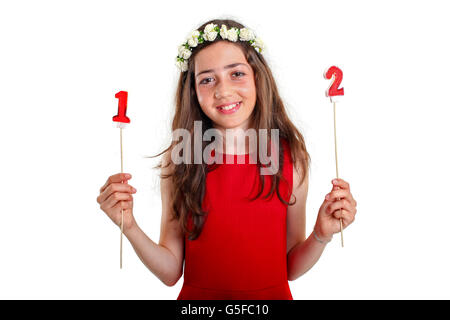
[(217, 55)]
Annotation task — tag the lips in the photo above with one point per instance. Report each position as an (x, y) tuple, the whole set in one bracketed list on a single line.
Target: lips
[(229, 108), (227, 104)]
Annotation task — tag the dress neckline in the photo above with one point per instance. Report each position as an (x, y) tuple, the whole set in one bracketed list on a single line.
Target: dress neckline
[(235, 157)]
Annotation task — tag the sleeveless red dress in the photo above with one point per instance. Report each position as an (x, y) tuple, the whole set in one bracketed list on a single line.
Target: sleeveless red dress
[(241, 251)]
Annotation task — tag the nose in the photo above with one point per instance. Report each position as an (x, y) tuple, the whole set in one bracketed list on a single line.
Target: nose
[(223, 90)]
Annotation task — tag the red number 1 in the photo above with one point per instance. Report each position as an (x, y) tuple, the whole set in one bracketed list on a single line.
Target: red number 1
[(333, 90), (121, 115)]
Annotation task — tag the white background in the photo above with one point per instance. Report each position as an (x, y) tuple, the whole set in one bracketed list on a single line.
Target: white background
[(61, 62)]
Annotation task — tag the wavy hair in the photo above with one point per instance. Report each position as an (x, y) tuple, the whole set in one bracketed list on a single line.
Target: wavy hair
[(188, 179)]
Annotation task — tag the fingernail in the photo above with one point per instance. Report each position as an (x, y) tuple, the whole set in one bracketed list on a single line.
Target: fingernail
[(128, 175), (134, 190), (335, 181), (327, 197)]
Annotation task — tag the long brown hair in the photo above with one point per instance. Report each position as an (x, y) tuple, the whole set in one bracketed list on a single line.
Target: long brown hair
[(188, 179)]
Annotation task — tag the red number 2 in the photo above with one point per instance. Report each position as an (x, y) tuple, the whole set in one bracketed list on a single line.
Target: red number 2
[(333, 90), (121, 115)]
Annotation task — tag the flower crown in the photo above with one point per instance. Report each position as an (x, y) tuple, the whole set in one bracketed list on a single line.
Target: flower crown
[(209, 34)]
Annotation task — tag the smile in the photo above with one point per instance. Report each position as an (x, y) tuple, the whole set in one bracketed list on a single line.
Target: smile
[(231, 108)]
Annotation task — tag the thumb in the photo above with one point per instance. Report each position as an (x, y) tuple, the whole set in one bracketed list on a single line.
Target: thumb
[(324, 205)]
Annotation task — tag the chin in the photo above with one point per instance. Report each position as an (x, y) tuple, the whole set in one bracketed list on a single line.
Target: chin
[(232, 124)]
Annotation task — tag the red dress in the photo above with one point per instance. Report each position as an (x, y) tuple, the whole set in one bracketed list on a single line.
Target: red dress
[(241, 251)]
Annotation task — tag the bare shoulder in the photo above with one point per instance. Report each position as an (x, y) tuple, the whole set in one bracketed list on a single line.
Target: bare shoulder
[(297, 175)]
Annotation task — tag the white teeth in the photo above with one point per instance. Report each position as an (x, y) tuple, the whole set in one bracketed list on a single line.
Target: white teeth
[(231, 106)]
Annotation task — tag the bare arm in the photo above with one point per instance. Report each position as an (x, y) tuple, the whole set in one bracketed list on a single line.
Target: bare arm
[(165, 259), (339, 203), (302, 253)]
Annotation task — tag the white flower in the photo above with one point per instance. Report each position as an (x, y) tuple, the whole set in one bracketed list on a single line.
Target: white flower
[(209, 33), (210, 27), (182, 65), (184, 52), (210, 36), (223, 31), (259, 45), (232, 34), (246, 34), (192, 40)]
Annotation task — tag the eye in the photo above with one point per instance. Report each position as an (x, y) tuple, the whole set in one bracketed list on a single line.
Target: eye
[(203, 81)]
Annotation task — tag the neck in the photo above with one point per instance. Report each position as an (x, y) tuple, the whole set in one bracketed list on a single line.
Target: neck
[(235, 140)]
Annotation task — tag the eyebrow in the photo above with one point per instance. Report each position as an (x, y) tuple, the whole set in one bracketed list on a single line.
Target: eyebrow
[(226, 67)]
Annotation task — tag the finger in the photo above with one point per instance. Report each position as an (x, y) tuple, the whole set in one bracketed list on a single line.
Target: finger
[(340, 204), (123, 205), (340, 183), (127, 210), (325, 204), (112, 200), (119, 177), (346, 216), (340, 194), (116, 178), (347, 208), (115, 187)]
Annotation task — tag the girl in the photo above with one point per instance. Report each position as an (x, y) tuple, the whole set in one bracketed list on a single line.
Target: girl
[(240, 233)]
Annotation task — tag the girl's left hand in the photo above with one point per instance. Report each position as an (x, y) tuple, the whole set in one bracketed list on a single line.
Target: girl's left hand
[(339, 203)]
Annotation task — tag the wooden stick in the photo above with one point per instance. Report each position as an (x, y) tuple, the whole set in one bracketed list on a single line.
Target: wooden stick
[(121, 223), (336, 157)]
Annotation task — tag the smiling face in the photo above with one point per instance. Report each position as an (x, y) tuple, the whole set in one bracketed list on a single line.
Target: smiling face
[(226, 92)]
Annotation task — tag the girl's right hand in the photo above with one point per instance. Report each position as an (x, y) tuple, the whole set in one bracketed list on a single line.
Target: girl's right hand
[(114, 196)]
